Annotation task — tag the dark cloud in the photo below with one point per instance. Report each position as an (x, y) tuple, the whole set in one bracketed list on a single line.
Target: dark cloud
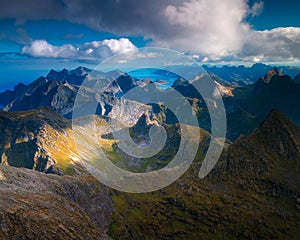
[(125, 17), (180, 24), (31, 9), (20, 36)]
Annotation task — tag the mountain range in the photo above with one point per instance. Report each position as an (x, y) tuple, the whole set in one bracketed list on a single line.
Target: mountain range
[(252, 193), (242, 76), (246, 106)]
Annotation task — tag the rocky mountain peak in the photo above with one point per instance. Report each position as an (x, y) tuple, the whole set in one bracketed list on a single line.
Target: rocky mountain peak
[(280, 133), (271, 152), (271, 74), (80, 71), (57, 76), (126, 82), (297, 79), (274, 84), (75, 76)]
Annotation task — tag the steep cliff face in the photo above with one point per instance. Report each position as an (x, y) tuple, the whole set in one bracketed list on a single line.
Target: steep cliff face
[(40, 139), (129, 111), (39, 206)]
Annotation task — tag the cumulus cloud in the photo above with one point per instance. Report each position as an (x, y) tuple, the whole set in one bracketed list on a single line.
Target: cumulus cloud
[(41, 48), (95, 49), (279, 44), (214, 27), (119, 46)]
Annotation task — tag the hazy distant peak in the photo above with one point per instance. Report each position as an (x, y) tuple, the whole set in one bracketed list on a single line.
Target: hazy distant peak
[(80, 71)]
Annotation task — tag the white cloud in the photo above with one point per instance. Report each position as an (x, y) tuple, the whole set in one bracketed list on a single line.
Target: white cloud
[(279, 44), (256, 9), (119, 46), (217, 32), (91, 50), (41, 48), (213, 28)]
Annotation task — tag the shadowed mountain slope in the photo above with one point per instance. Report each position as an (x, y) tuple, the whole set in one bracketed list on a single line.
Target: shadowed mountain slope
[(253, 193)]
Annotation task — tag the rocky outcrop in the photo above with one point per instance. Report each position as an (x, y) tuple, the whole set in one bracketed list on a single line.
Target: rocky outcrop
[(272, 73), (40, 139)]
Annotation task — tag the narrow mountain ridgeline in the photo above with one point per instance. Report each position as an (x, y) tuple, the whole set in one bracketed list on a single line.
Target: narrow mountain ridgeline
[(270, 156), (9, 95), (43, 92), (34, 205), (253, 193), (39, 139)]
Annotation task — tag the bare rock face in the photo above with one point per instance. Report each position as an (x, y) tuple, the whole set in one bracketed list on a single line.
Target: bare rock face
[(130, 112), (40, 139), (34, 205)]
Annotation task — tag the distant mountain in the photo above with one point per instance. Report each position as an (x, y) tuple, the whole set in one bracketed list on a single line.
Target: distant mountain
[(9, 95), (75, 77), (241, 75), (274, 91), (245, 106), (58, 90), (251, 104)]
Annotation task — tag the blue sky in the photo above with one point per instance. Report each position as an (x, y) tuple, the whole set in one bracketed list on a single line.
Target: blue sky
[(277, 13), (36, 36)]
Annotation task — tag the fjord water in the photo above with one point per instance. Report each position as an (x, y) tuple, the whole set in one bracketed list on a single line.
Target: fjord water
[(163, 78)]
